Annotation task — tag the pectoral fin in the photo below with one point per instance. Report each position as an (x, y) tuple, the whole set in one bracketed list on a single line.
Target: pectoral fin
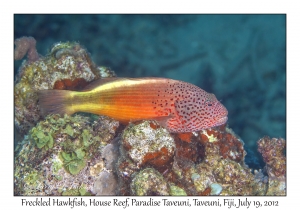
[(163, 121)]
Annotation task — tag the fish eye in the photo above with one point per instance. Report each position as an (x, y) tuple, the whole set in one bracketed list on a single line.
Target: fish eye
[(208, 103)]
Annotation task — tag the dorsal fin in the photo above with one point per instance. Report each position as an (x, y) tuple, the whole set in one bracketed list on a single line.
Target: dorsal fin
[(99, 82)]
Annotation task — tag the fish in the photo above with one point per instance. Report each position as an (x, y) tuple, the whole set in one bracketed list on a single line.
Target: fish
[(176, 105)]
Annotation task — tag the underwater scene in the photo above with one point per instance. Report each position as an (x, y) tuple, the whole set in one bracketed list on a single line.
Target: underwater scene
[(149, 105)]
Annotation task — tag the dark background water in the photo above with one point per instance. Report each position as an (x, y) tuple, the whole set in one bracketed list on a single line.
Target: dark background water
[(239, 58)]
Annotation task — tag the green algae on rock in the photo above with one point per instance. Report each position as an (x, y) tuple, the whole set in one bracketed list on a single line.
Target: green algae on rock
[(176, 191), (41, 139), (79, 191), (62, 168)]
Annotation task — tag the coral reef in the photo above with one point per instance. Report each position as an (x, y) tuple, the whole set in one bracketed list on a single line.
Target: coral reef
[(229, 145), (67, 66), (273, 152), (143, 144), (148, 143), (175, 190), (85, 154), (78, 156), (105, 184), (62, 155), (249, 58), (149, 182), (209, 162), (218, 168)]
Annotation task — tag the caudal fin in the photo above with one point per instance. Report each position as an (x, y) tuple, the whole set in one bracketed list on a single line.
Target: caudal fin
[(55, 102)]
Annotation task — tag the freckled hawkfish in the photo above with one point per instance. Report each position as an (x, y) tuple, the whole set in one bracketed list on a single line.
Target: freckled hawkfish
[(176, 105)]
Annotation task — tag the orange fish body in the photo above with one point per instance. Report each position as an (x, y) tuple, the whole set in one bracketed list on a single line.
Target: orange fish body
[(176, 105)]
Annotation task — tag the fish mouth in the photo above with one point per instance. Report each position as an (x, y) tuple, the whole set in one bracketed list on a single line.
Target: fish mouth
[(221, 121)]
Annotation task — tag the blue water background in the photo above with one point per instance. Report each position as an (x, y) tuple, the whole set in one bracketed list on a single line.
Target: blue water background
[(239, 58)]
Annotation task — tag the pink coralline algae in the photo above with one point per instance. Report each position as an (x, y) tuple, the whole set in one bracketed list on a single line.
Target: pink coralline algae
[(26, 45)]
